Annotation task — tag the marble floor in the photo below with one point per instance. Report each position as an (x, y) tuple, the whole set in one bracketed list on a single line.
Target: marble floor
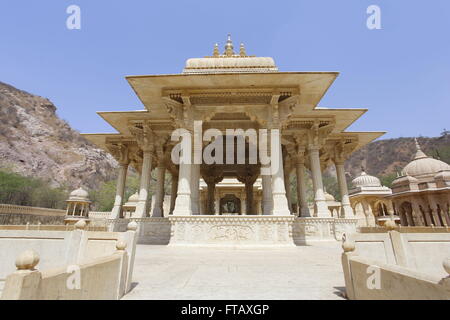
[(303, 272)]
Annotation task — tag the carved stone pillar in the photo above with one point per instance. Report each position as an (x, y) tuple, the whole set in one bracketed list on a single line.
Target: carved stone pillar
[(210, 198), (417, 214), (280, 203), (249, 197), (183, 203), (121, 153), (301, 188), (244, 203), (434, 213), (120, 190), (142, 205), (346, 209), (267, 201), (287, 187), (320, 205), (158, 210), (210, 205), (195, 189), (249, 181), (173, 193), (370, 218), (217, 203)]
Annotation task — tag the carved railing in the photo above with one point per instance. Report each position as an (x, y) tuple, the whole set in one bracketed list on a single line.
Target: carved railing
[(15, 209), (99, 214)]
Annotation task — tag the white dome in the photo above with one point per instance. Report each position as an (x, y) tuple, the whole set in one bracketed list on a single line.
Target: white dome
[(443, 175), (79, 195), (404, 180), (365, 180), (329, 197), (134, 197), (423, 165)]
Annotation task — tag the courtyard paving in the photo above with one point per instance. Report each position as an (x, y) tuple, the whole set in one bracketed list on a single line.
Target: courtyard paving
[(303, 272)]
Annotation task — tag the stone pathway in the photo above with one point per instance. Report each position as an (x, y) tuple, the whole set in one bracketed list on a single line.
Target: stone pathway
[(304, 272)]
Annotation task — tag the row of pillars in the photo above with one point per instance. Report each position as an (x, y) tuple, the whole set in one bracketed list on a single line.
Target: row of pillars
[(185, 189), (420, 214)]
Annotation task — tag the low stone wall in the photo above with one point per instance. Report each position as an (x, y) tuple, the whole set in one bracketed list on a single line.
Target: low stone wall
[(21, 215), (411, 265), (403, 229), (11, 208), (415, 250), (99, 279), (321, 229), (234, 230), (368, 279), (59, 249), (52, 227), (153, 230)]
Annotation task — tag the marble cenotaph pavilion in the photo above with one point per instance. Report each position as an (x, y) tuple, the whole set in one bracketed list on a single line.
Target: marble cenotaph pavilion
[(233, 91)]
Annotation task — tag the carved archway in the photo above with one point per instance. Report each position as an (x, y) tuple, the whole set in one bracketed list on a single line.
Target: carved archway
[(230, 204)]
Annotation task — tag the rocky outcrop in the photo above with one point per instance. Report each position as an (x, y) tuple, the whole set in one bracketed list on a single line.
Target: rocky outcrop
[(389, 156), (34, 141)]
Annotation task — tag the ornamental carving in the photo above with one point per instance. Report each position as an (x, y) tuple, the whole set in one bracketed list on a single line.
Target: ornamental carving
[(230, 232), (144, 136), (120, 152)]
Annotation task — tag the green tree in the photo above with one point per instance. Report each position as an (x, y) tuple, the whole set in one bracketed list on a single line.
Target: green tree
[(386, 180), (28, 191)]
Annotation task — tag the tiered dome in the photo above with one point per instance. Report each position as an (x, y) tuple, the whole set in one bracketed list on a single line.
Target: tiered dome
[(365, 180), (422, 165), (79, 195)]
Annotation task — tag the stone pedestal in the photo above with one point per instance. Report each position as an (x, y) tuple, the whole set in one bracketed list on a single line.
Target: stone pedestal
[(232, 231)]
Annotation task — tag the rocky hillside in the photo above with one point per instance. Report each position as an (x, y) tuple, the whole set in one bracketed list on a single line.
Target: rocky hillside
[(35, 142), (389, 156)]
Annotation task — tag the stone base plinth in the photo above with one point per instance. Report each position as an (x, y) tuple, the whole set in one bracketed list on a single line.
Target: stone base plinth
[(306, 230), (152, 230), (231, 230)]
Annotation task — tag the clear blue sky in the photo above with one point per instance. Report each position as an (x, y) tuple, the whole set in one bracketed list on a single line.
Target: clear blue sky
[(400, 73)]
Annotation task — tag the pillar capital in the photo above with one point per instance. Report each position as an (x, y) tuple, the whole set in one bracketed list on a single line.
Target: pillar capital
[(120, 151), (144, 136)]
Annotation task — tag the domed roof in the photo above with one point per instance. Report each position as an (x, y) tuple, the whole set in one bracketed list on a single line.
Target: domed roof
[(230, 62), (443, 175), (365, 180), (132, 200), (329, 197), (404, 180), (134, 197), (423, 165), (79, 195)]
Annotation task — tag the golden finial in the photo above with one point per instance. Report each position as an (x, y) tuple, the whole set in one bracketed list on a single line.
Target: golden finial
[(242, 52), (229, 47), (216, 51)]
